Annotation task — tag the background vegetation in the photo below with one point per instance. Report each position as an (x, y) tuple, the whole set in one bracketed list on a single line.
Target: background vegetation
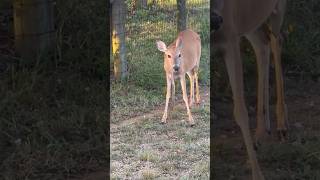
[(53, 118)]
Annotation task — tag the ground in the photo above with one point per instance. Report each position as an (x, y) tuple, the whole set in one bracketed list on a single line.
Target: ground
[(143, 148), (298, 158)]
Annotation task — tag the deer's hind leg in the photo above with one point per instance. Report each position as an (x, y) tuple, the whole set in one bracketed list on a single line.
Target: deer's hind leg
[(261, 46), (195, 71), (281, 107), (191, 97), (276, 21)]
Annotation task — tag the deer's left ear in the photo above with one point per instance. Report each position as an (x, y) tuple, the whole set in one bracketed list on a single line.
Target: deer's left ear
[(179, 43)]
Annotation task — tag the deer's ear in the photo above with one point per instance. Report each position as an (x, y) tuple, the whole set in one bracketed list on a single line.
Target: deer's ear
[(179, 43), (161, 46)]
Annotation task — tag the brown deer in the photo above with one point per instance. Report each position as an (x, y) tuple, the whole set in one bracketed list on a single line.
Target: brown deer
[(180, 58), (260, 22)]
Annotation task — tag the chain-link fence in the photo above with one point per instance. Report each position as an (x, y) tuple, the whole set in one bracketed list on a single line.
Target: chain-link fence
[(157, 20)]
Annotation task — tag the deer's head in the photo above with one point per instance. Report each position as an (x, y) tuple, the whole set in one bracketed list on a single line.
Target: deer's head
[(172, 55)]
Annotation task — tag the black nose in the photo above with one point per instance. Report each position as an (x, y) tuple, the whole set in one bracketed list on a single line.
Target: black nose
[(176, 68)]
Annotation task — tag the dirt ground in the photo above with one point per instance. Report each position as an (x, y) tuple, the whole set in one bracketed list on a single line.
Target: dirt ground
[(298, 158)]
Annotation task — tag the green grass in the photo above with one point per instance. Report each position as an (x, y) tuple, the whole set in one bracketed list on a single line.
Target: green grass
[(53, 109), (173, 150), (130, 100), (149, 25), (51, 122)]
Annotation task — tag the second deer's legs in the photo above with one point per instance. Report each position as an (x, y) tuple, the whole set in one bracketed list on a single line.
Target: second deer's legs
[(235, 72), (261, 46), (281, 107)]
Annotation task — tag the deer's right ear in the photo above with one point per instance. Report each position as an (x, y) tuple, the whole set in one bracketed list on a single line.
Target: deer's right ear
[(161, 46)]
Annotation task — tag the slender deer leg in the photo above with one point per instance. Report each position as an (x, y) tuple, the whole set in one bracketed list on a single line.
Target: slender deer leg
[(185, 98), (281, 107), (197, 86), (261, 46), (191, 98), (165, 115), (234, 68), (173, 93)]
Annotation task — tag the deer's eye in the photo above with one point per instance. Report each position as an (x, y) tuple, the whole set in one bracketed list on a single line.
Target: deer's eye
[(179, 55), (169, 56)]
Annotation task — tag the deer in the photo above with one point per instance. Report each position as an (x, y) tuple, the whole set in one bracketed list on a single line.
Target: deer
[(260, 22), (182, 57)]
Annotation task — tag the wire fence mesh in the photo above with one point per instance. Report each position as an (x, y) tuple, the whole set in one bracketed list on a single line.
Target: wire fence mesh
[(157, 20)]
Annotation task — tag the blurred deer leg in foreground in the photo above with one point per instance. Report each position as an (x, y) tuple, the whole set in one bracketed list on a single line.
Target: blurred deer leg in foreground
[(247, 18)]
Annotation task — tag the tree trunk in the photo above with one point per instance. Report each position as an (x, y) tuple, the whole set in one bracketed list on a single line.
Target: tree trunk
[(33, 27), (182, 15), (118, 39)]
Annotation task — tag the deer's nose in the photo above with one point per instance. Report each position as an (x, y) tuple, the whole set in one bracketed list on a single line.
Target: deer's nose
[(176, 68)]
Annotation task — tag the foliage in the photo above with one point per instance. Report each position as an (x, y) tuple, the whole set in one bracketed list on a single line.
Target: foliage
[(158, 22), (53, 112)]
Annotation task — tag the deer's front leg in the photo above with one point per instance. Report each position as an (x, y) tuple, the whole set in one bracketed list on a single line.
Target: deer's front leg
[(173, 98), (235, 72), (165, 114), (261, 47), (185, 98)]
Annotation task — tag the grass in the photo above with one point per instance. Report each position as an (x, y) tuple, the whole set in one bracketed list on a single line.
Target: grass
[(292, 160), (130, 100), (51, 122), (168, 151), (53, 111), (298, 158)]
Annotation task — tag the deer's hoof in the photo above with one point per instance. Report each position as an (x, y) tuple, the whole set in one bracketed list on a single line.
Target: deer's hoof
[(191, 123)]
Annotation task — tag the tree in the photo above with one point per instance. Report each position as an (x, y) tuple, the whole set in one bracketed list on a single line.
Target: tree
[(182, 15), (33, 27), (118, 39)]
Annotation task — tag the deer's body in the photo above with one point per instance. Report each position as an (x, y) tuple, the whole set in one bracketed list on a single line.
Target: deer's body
[(260, 22), (180, 58)]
